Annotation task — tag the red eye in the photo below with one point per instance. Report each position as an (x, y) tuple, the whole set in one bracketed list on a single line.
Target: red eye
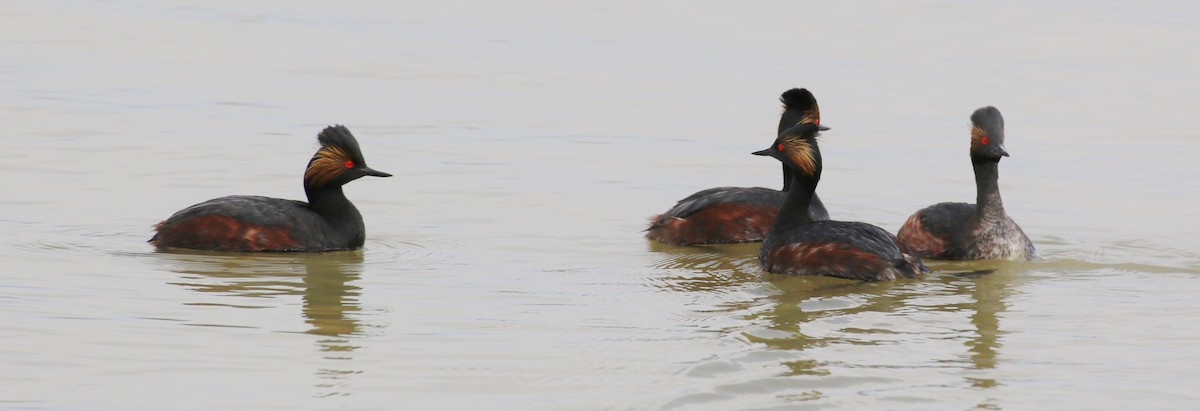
[(817, 122), (983, 140), (779, 147), (349, 164)]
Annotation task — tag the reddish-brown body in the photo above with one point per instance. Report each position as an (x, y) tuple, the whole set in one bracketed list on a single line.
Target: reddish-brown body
[(961, 231), (831, 259), (914, 238), (224, 233), (723, 215), (720, 223)]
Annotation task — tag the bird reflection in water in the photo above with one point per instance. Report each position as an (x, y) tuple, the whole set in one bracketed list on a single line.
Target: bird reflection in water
[(706, 267), (805, 314), (330, 300), (324, 282)]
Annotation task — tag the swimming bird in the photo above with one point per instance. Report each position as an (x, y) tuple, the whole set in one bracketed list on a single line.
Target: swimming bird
[(798, 245), (980, 231), (328, 221), (737, 214)]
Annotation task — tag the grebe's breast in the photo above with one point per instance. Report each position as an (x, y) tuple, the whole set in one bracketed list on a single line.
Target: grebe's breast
[(1000, 239)]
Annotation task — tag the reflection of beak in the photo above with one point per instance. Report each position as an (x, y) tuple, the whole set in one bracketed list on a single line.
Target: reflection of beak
[(372, 172)]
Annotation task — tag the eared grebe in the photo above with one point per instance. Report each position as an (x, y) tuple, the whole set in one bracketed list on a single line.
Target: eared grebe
[(980, 231), (797, 245), (737, 214), (328, 221)]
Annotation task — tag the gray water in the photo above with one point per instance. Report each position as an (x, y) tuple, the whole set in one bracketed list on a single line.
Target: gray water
[(504, 266)]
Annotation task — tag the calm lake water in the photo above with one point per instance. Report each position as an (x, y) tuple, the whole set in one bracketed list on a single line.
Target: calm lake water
[(505, 266)]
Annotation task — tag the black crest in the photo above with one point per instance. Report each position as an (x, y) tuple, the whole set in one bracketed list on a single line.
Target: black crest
[(339, 137), (798, 103), (989, 119)]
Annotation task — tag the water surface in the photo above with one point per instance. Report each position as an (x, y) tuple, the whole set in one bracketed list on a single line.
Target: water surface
[(504, 266)]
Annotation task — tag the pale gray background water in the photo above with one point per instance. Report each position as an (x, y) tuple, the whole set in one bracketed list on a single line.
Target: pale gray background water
[(504, 266)]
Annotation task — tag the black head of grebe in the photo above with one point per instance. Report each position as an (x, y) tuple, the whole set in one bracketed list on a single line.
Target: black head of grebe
[(987, 135), (800, 107)]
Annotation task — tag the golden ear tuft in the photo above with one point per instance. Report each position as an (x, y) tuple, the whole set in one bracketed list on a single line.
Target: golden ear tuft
[(801, 153), (812, 116), (977, 135), (326, 164)]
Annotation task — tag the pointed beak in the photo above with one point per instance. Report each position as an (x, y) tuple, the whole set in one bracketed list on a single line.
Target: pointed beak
[(766, 152), (1003, 152), (368, 171), (822, 128)]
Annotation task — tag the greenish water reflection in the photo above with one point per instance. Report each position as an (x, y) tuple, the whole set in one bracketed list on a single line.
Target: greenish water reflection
[(324, 282), (800, 314)]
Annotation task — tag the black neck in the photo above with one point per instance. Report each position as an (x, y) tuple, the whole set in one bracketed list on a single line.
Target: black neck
[(794, 211), (787, 178), (345, 224), (330, 202), (987, 186)]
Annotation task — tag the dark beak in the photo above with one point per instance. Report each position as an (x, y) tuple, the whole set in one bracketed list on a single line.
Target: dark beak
[(368, 171), (1003, 152), (822, 128), (766, 152)]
